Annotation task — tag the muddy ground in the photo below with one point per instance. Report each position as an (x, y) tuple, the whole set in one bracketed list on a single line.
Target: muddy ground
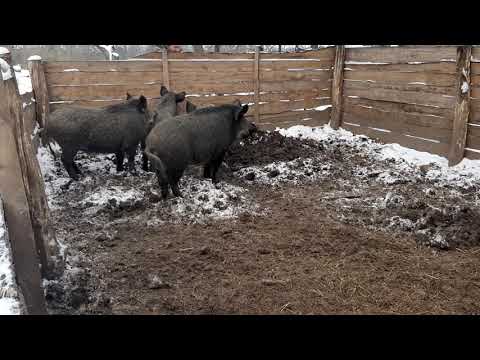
[(296, 226)]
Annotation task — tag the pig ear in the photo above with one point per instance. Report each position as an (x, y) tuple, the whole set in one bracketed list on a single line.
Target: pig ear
[(142, 103), (129, 96), (241, 112), (163, 90), (237, 103), (180, 96)]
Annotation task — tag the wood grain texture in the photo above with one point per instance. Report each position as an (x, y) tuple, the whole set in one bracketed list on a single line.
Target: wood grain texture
[(402, 54), (462, 107)]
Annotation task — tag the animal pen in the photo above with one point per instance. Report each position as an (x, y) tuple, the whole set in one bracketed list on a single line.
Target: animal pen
[(423, 97)]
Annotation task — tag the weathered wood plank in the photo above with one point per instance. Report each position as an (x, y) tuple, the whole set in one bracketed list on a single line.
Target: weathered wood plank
[(294, 85), (40, 91), (322, 54), (296, 75), (210, 66), (214, 87), (99, 92), (435, 68), (337, 88), (110, 77), (281, 107), (284, 65), (472, 155), (400, 107), (103, 66), (402, 123), (403, 140), (462, 106), (443, 90), (402, 54), (409, 97), (291, 118), (387, 77), (296, 95)]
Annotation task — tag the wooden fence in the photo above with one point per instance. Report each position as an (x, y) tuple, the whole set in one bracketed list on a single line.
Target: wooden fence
[(283, 89), (422, 97), (30, 231)]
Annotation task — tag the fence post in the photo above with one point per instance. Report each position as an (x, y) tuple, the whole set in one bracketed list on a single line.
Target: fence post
[(337, 87), (40, 91), (166, 74), (18, 208), (44, 233), (256, 75), (462, 106)]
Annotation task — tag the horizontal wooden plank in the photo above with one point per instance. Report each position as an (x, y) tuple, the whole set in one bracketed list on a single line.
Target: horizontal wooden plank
[(400, 107), (218, 87), (276, 65), (475, 68), (422, 126), (475, 55), (475, 93), (295, 75), (402, 54), (472, 155), (294, 85), (442, 68), (210, 66), (287, 124), (278, 107), (102, 66), (393, 95), (296, 118), (296, 95), (209, 76), (203, 101), (419, 88), (110, 77), (393, 137), (474, 116), (387, 77), (209, 55), (321, 54), (101, 92)]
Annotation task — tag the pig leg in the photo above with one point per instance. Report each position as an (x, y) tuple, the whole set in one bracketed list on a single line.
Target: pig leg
[(144, 157), (174, 180), (215, 165), (163, 183), (131, 159), (67, 160), (120, 156), (207, 171)]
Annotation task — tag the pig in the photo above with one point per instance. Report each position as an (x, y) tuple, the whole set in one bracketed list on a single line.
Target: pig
[(199, 138), (117, 129), (166, 107)]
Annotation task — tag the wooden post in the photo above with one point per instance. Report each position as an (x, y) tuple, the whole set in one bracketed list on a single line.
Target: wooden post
[(462, 106), (40, 91), (256, 74), (45, 239), (166, 75), (15, 187), (337, 88)]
